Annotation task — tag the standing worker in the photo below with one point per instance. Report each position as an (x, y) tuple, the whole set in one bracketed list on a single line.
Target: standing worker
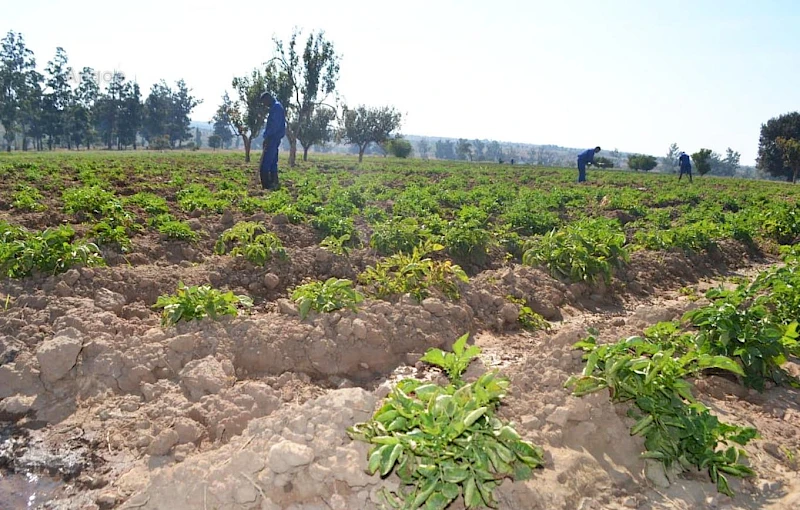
[(273, 134), (686, 166), (585, 158)]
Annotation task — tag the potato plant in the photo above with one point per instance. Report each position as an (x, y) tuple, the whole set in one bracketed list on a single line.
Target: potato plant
[(328, 296), (445, 442), (251, 241), (197, 302)]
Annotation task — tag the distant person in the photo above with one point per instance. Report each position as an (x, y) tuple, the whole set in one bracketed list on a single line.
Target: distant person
[(585, 158), (273, 134), (512, 161), (685, 166)]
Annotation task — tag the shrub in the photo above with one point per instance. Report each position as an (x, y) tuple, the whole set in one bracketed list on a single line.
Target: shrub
[(27, 198), (178, 230), (398, 235)]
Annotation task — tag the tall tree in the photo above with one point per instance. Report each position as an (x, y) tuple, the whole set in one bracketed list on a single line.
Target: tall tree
[(222, 128), (247, 113), (642, 162), (770, 157), (108, 109), (17, 77), (302, 81), (179, 119), (423, 148), (158, 114), (362, 126), (81, 130), (316, 129), (670, 161), (464, 149), (445, 149), (702, 161), (478, 148), (131, 115), (732, 160), (57, 97), (198, 139), (790, 151)]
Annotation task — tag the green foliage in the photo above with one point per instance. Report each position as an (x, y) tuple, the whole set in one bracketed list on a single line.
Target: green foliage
[(581, 251), (28, 199), (415, 274), (177, 231), (333, 294), (92, 200), (456, 362), (337, 245), (52, 250), (106, 233), (702, 161), (398, 235), (781, 222), (650, 372), (528, 319), (151, 204), (197, 197), (466, 238), (332, 223), (197, 302), (739, 323), (601, 162), (445, 441), (642, 162), (399, 147), (252, 241)]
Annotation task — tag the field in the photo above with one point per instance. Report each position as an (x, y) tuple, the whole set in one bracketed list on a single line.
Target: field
[(171, 336)]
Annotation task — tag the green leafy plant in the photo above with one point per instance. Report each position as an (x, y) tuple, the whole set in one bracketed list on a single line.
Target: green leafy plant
[(53, 250), (581, 251), (178, 230), (650, 372), (456, 362), (252, 241), (398, 235), (445, 441), (150, 203), (197, 302), (27, 198), (333, 294), (415, 274), (337, 245), (528, 319), (106, 234)]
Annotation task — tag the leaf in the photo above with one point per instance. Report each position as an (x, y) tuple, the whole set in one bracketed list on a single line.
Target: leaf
[(434, 357), (472, 498), (388, 464), (474, 415), (458, 346), (375, 459)]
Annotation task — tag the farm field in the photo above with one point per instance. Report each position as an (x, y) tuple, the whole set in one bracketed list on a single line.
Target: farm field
[(172, 336)]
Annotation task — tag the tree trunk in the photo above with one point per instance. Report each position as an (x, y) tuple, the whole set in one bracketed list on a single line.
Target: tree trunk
[(794, 175), (305, 153), (246, 141), (292, 151), (361, 153)]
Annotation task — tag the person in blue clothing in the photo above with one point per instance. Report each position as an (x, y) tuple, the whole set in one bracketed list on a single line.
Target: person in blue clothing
[(273, 134), (685, 165), (585, 158)]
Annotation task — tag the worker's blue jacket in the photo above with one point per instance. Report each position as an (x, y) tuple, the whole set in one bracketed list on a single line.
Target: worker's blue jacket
[(276, 123), (586, 156)]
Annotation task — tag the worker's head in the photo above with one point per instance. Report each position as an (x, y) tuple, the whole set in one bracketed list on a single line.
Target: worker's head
[(597, 149), (267, 98)]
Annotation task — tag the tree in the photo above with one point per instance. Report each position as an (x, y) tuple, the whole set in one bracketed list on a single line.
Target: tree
[(702, 161), (316, 129), (198, 140), (770, 158), (222, 128), (790, 152), (423, 148), (363, 126), (57, 98), (601, 162), (108, 110), (732, 160), (181, 109), (464, 149), (302, 82), (131, 112), (493, 151), (670, 161), (17, 78), (399, 147), (642, 162), (445, 149), (81, 129), (246, 114), (215, 141), (478, 147)]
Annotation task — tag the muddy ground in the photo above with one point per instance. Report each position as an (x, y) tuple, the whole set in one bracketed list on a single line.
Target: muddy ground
[(102, 407)]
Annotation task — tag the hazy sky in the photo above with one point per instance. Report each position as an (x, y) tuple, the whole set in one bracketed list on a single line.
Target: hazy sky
[(631, 74)]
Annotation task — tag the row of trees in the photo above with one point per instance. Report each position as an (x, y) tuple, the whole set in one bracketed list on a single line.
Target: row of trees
[(62, 108), (303, 77), (779, 147), (709, 162)]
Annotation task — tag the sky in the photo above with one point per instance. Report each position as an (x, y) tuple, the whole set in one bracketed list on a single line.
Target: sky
[(625, 74)]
